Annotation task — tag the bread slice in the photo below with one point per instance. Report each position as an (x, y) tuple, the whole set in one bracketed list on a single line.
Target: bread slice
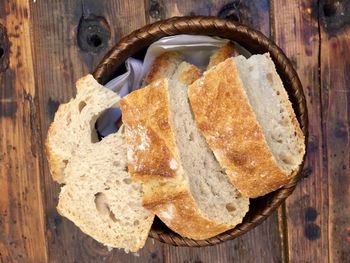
[(279, 124), (65, 133), (182, 182), (98, 194), (244, 113), (226, 51), (164, 66)]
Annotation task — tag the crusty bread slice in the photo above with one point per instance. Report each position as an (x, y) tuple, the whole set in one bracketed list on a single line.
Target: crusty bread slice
[(279, 124), (164, 66), (99, 195), (244, 113), (65, 134), (182, 182), (226, 51), (216, 198)]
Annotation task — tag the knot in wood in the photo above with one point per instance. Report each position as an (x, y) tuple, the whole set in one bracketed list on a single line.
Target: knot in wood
[(335, 15), (4, 49), (156, 10), (93, 33)]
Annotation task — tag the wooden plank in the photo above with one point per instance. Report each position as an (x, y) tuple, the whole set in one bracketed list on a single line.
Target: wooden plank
[(22, 222), (335, 95), (253, 13), (263, 243), (296, 31), (58, 62)]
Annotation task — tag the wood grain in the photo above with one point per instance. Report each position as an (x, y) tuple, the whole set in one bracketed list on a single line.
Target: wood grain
[(335, 103), (296, 32), (22, 222)]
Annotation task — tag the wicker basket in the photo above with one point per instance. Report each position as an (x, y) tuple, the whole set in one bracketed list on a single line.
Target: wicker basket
[(136, 43)]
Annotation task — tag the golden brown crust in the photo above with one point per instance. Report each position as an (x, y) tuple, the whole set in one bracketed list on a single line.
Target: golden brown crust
[(180, 214), (154, 161), (229, 125), (146, 116), (163, 66), (225, 52), (152, 152)]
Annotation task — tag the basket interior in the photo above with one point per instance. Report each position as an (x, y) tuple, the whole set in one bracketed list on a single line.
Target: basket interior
[(136, 44)]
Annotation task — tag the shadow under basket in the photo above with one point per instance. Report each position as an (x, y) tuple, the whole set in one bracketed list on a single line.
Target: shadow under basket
[(256, 43)]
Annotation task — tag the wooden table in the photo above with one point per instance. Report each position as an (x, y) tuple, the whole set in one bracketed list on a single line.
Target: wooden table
[(41, 58)]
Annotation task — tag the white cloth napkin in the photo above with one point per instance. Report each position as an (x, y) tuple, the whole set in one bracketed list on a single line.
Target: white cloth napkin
[(196, 50)]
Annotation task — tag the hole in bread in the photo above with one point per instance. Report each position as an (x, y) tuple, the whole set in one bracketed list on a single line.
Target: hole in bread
[(125, 168), (269, 78), (112, 217), (283, 121), (284, 158), (81, 105), (116, 163), (278, 93), (94, 138), (69, 118), (108, 122), (230, 207), (287, 161), (276, 137), (191, 137), (65, 162), (101, 203), (107, 188), (136, 222), (203, 189), (127, 180)]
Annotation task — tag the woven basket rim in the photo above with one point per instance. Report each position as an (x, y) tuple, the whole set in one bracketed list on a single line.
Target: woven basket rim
[(207, 25)]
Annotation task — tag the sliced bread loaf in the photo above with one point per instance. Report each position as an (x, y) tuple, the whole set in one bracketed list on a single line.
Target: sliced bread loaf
[(244, 113), (98, 194), (226, 51), (164, 66), (182, 182)]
